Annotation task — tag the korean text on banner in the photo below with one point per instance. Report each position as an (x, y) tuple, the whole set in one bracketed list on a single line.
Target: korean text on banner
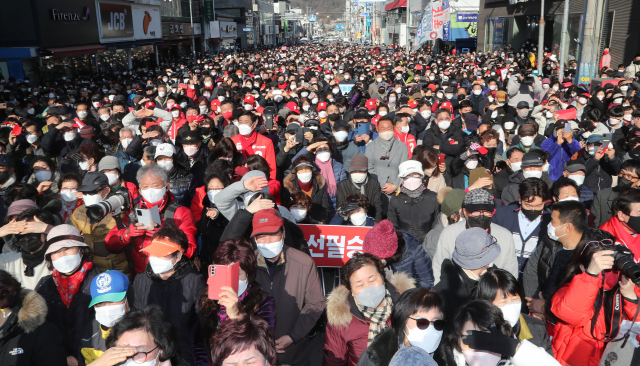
[(333, 245), (425, 28), (437, 20)]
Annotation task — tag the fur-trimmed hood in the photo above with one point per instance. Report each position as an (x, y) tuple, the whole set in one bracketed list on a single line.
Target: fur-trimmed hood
[(33, 311), (340, 301), (291, 184)]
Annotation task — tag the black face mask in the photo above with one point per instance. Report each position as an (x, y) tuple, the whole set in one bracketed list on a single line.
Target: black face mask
[(637, 62), (483, 222), (624, 183), (634, 223), (531, 214), (31, 260), (119, 116), (205, 131), (334, 116), (491, 151), (29, 242), (381, 91)]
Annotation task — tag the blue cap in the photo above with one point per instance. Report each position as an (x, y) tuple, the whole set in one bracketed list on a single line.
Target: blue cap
[(109, 286), (594, 138)]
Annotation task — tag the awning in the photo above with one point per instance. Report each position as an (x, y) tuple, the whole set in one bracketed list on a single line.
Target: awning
[(78, 50), (396, 4)]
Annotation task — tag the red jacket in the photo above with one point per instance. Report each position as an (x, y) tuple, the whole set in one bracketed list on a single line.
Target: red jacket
[(263, 147), (572, 342), (408, 140), (117, 240), (614, 227)]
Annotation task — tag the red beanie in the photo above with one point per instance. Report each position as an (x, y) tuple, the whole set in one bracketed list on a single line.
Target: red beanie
[(381, 241)]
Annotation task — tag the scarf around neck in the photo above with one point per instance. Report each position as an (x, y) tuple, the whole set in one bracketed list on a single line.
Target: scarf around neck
[(222, 313), (378, 316), (69, 286), (247, 150), (326, 170), (415, 193), (32, 260)]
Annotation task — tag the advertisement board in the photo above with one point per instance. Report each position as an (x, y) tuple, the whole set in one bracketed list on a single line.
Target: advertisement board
[(333, 245), (65, 23), (146, 22), (116, 21)]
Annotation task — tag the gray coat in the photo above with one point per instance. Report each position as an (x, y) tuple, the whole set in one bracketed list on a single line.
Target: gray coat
[(386, 171), (519, 92), (601, 206)]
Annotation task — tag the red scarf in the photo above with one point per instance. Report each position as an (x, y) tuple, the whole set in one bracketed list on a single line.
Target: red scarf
[(68, 287), (247, 150), (305, 186), (615, 228)]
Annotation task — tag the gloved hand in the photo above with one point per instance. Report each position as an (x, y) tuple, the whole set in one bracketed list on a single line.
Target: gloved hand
[(474, 146), (494, 341), (133, 231), (345, 210)]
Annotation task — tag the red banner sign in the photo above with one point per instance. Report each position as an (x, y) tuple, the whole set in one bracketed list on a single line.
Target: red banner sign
[(333, 245)]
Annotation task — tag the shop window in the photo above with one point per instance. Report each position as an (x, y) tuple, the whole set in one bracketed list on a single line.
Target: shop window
[(573, 36)]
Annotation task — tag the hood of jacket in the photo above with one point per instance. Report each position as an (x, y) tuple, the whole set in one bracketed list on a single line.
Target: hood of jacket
[(32, 313), (339, 307), (291, 184)]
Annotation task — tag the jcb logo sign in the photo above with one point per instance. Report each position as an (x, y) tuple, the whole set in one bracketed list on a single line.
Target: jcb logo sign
[(116, 21)]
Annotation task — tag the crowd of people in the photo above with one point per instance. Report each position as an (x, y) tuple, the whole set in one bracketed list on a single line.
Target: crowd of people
[(502, 209)]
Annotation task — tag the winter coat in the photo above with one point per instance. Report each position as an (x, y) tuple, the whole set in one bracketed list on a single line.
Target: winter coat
[(446, 246), (511, 194), (119, 239), (296, 287), (12, 262), (183, 185), (345, 151), (622, 236), (501, 180), (381, 350), (372, 191), (599, 172), (347, 329), (430, 241), (541, 262), (573, 305), (478, 102), (519, 92), (451, 143), (177, 296), (386, 170), (164, 119), (27, 338), (263, 146), (559, 154), (54, 143), (209, 233), (199, 164), (69, 320), (602, 203), (320, 205), (455, 287), (414, 262), (414, 215)]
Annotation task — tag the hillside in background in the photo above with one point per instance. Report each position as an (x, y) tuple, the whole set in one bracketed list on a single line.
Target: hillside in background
[(333, 8)]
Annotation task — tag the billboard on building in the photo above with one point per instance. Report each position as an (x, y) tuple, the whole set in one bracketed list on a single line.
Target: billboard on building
[(463, 26), (146, 22), (116, 22)]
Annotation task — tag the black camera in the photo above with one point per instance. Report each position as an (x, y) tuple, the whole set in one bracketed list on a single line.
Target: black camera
[(624, 263), (528, 79), (113, 205)]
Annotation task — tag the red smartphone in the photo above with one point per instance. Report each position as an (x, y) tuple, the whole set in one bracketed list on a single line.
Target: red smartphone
[(440, 159), (222, 275), (16, 130), (482, 150), (183, 86)]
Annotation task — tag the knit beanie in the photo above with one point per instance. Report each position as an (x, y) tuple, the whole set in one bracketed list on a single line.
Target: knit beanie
[(381, 241)]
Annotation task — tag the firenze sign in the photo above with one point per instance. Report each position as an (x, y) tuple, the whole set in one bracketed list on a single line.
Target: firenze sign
[(58, 15)]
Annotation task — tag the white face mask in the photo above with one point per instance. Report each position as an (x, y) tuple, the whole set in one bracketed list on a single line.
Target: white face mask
[(323, 156), (32, 138), (481, 358), (444, 125), (84, 165), (153, 195), (82, 114), (392, 99), (511, 312), (271, 250), (315, 101), (471, 164), (242, 286), (68, 195), (43, 176), (532, 174), (477, 92), (527, 140), (322, 114), (426, 114), (516, 166), (109, 315), (212, 194), (298, 214), (67, 263), (404, 129), (69, 136), (160, 265), (190, 150), (579, 179), (427, 339), (383, 113), (176, 114), (221, 98), (248, 107), (104, 117), (113, 178), (304, 177), (358, 177), (551, 231), (244, 129), (358, 219), (91, 199), (340, 136), (125, 143)]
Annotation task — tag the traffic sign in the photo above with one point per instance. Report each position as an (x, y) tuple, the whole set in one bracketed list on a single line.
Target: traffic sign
[(312, 18)]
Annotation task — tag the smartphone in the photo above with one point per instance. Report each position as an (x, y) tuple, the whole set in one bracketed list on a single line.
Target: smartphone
[(183, 86), (269, 113), (276, 92), (148, 217), (482, 150), (567, 127), (606, 141), (363, 128), (220, 276), (16, 130), (440, 159), (300, 135)]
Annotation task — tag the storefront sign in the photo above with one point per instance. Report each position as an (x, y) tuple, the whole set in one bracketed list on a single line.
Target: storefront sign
[(467, 18), (333, 245), (208, 11), (228, 30), (65, 23), (176, 30), (58, 15), (146, 22), (116, 21), (214, 29)]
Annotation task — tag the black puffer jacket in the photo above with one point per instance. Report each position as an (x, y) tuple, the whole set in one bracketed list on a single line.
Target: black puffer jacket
[(69, 320), (183, 185), (414, 215), (381, 350), (27, 339), (210, 230), (372, 191), (177, 296), (319, 198)]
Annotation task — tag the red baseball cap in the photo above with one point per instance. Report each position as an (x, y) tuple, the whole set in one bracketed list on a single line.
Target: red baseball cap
[(249, 99), (266, 221), (412, 104), (150, 104), (322, 106), (371, 104), (292, 106), (447, 105)]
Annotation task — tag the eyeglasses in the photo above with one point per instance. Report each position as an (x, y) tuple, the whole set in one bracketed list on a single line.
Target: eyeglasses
[(141, 357), (629, 176), (598, 244), (424, 323)]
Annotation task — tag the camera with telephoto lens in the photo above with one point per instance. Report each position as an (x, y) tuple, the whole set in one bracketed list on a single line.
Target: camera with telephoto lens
[(119, 201), (623, 262), (528, 78)]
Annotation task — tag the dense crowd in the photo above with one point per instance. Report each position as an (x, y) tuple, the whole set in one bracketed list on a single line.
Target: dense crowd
[(502, 209)]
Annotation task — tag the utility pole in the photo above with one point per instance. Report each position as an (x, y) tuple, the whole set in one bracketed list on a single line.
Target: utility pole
[(541, 39), (408, 26), (193, 40), (590, 42), (563, 39)]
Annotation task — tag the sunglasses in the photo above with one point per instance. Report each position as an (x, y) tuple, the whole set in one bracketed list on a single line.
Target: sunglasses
[(604, 243), (424, 323)]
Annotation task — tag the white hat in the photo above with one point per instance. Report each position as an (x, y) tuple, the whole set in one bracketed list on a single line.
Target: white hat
[(165, 150), (409, 167)]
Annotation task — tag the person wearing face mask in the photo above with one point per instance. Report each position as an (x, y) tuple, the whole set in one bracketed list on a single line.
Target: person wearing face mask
[(480, 335), (250, 142), (108, 299), (576, 171), (463, 165), (345, 150), (433, 173), (527, 138), (478, 209), (333, 116), (375, 85), (128, 164), (504, 291), (62, 141), (363, 131), (359, 181), (443, 137), (414, 209), (417, 321), (633, 68), (525, 219), (172, 282), (545, 268), (478, 100), (353, 212), (531, 167), (45, 179), (25, 329), (182, 182), (28, 144), (401, 131), (153, 187), (67, 290), (365, 294), (561, 146), (514, 163), (519, 91), (162, 117), (84, 118), (303, 179), (628, 178), (195, 153), (623, 224), (161, 99)]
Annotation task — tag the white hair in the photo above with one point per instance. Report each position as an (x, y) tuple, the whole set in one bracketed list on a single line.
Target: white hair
[(152, 169), (133, 132)]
